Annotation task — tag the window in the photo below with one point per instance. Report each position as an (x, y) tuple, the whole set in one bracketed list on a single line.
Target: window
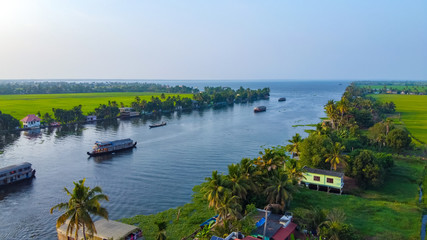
[(329, 180), (316, 178)]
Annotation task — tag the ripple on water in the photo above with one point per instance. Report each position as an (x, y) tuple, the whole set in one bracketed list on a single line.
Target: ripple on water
[(161, 172)]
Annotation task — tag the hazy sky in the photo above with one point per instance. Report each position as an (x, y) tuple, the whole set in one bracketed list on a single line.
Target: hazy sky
[(216, 39)]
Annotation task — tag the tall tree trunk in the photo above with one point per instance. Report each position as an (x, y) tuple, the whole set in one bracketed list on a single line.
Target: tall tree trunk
[(84, 232)]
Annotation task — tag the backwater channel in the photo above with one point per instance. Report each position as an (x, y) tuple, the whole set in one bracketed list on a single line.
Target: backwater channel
[(168, 161)]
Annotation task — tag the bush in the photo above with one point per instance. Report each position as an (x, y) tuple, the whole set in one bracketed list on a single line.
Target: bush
[(398, 139)]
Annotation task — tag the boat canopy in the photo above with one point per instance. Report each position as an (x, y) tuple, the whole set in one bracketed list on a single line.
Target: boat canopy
[(117, 142), (14, 167)]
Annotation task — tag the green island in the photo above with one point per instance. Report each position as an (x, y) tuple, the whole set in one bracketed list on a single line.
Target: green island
[(384, 207)]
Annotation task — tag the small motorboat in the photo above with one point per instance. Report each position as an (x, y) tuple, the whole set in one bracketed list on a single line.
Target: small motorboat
[(260, 109), (158, 125), (282, 99)]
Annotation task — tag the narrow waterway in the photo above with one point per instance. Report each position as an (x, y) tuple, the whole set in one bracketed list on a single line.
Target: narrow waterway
[(168, 161)]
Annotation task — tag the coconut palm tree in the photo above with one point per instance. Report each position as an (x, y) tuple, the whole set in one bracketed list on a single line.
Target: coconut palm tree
[(161, 234), (332, 112), (295, 145), (335, 156), (279, 188), (295, 173), (334, 219), (238, 181), (215, 188), (228, 207), (83, 202)]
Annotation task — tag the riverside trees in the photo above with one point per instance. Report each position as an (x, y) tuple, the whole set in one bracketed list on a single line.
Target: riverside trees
[(83, 202)]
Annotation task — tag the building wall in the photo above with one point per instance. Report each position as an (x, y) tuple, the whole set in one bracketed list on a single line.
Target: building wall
[(309, 178), (32, 124)]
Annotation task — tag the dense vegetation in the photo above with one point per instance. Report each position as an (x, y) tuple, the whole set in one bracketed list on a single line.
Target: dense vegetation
[(358, 139), (412, 114), (44, 87), (7, 122)]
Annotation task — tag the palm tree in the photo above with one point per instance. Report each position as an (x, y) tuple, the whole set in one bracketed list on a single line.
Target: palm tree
[(279, 189), (336, 156), (238, 182), (333, 221), (215, 188), (161, 234), (295, 144), (332, 112), (343, 107), (228, 207), (83, 202), (295, 173)]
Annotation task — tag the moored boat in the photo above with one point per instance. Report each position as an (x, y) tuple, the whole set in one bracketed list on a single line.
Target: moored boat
[(260, 109), (158, 125), (282, 99), (105, 147), (16, 173)]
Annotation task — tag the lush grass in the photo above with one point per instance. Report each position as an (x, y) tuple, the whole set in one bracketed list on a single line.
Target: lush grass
[(21, 105), (398, 87), (413, 112), (191, 215), (388, 212)]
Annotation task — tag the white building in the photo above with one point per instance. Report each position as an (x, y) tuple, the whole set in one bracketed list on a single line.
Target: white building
[(31, 121)]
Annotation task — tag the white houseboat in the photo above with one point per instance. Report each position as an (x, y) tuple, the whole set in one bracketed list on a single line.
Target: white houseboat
[(105, 147), (16, 173), (128, 112)]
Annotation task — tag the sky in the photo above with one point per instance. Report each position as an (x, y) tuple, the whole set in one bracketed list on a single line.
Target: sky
[(219, 39)]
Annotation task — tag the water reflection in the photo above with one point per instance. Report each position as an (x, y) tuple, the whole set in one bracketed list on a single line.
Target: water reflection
[(108, 157), (69, 130), (8, 139), (18, 187)]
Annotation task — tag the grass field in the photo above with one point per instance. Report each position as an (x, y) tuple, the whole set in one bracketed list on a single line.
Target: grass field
[(413, 112), (389, 212), (21, 105), (398, 87)]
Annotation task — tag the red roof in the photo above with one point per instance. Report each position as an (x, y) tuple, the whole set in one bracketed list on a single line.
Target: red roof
[(284, 233), (30, 118), (250, 238)]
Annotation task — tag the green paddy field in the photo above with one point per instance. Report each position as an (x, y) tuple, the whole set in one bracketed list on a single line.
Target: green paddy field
[(20, 106), (413, 113)]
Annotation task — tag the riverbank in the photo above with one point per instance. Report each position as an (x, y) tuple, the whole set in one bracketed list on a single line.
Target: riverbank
[(391, 211), (20, 106)]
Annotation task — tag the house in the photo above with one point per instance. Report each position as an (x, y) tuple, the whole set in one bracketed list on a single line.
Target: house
[(278, 227), (31, 121), (326, 178), (105, 230), (90, 118)]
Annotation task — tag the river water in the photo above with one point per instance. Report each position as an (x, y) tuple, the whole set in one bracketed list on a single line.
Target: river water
[(168, 161)]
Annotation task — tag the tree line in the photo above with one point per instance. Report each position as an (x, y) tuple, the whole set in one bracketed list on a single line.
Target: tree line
[(39, 87), (211, 97)]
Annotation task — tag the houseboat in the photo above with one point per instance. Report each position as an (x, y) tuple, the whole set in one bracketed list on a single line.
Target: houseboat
[(16, 173), (158, 125), (128, 112), (111, 146), (282, 99), (260, 109)]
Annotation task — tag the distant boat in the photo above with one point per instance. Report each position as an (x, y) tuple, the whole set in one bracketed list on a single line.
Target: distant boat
[(282, 99), (111, 146), (260, 109), (158, 125), (16, 173), (127, 112)]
